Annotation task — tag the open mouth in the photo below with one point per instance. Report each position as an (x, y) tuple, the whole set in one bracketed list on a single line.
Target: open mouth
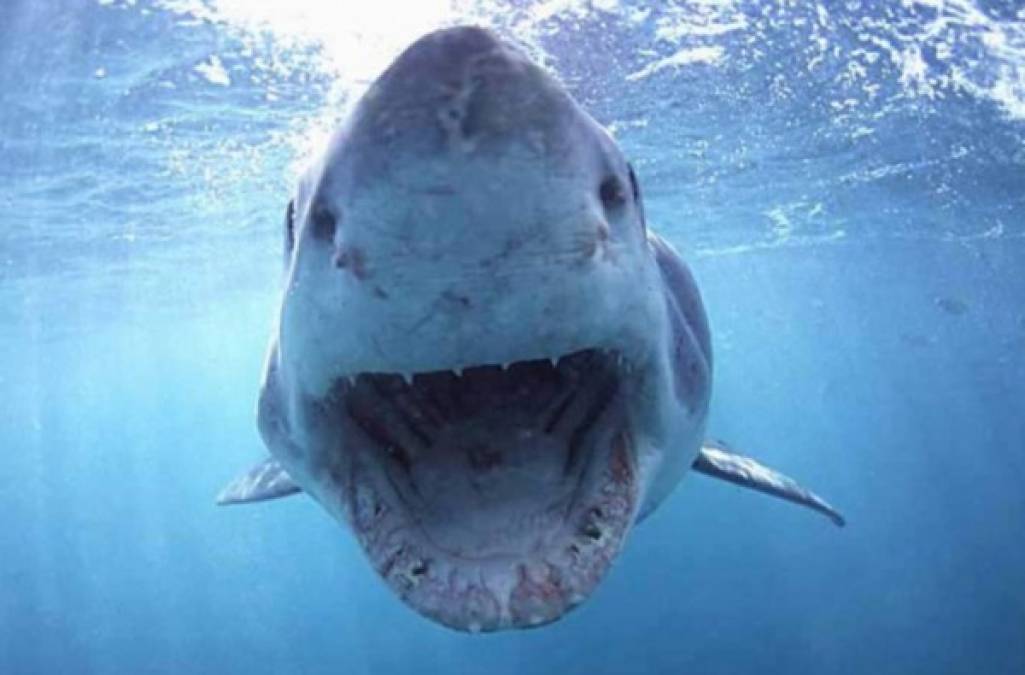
[(494, 497)]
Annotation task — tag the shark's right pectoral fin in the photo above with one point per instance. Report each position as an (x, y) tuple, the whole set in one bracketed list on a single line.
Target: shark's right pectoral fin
[(716, 460), (266, 480)]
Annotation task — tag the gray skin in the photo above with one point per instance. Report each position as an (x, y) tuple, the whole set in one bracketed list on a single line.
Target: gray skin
[(485, 364)]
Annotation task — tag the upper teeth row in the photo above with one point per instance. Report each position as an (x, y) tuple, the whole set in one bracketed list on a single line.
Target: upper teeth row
[(458, 372)]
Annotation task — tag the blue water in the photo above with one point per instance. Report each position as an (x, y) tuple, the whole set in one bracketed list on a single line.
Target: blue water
[(846, 179)]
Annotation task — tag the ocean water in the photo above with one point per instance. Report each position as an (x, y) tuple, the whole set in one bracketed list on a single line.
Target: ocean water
[(847, 180)]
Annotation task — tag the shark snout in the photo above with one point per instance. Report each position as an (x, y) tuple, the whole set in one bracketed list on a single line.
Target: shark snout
[(462, 91)]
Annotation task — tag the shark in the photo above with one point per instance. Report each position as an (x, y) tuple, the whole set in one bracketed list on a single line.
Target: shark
[(486, 363)]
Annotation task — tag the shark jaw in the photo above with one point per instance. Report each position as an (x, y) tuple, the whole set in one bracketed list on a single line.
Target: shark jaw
[(492, 498)]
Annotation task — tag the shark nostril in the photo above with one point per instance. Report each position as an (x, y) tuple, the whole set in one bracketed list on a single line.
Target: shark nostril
[(323, 222), (353, 259)]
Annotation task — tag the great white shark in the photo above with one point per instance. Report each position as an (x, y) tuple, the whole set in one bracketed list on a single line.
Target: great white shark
[(485, 363)]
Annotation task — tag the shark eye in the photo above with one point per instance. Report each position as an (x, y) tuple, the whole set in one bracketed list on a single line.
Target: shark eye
[(612, 194), (323, 222)]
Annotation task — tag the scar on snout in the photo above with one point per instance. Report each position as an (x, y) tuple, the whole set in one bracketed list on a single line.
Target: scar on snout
[(440, 190), (380, 293), (353, 259), (456, 299), (510, 247)]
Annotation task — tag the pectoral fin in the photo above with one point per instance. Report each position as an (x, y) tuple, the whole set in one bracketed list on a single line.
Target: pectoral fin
[(716, 460), (266, 480)]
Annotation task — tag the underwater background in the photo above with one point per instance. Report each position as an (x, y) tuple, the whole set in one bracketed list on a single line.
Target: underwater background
[(847, 180)]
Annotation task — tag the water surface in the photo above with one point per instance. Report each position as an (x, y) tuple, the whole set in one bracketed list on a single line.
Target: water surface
[(846, 178)]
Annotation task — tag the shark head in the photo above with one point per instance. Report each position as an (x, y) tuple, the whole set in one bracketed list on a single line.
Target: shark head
[(475, 364)]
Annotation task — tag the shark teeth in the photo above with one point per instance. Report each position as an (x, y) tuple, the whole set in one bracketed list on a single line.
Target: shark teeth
[(614, 356)]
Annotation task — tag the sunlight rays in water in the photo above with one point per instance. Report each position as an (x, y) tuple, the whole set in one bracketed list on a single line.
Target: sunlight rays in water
[(357, 40), (350, 44)]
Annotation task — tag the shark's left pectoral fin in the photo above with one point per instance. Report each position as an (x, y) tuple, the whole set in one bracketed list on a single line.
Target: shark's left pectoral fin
[(266, 480), (716, 460)]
